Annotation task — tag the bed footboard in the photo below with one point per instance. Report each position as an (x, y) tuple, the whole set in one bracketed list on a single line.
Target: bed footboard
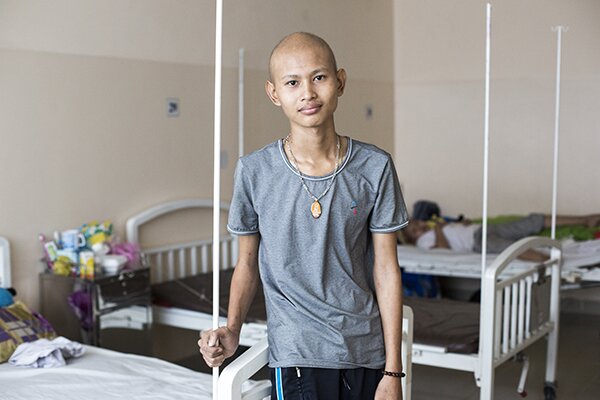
[(518, 310), (236, 373), (246, 365)]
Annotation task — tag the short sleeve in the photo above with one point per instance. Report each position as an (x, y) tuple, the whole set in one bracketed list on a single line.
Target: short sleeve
[(389, 212), (243, 219)]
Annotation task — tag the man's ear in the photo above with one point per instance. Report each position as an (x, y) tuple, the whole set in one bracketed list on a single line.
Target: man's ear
[(272, 93), (341, 78)]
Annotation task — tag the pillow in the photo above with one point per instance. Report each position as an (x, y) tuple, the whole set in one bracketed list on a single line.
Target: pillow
[(17, 325), (6, 297)]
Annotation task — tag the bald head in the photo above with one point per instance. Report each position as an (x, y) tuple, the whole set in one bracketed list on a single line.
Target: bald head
[(300, 41)]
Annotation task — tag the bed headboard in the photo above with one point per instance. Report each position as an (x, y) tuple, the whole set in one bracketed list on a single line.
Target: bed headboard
[(5, 278), (134, 223), (182, 259)]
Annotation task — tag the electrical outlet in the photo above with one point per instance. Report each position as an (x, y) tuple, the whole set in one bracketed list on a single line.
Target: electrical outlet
[(369, 111), (172, 107)]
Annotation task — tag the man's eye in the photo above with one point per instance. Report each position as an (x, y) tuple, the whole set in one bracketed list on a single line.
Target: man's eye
[(319, 77), (291, 83)]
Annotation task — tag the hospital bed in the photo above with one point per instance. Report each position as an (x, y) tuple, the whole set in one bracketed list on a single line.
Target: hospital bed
[(182, 288), (519, 305), (106, 374), (578, 262), (181, 274)]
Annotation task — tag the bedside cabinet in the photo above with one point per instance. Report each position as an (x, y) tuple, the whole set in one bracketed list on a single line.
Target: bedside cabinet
[(113, 311)]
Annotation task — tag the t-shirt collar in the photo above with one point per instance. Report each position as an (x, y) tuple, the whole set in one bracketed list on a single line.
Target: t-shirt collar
[(310, 177)]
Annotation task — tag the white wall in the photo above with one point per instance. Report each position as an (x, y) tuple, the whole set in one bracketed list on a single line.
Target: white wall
[(83, 127), (439, 97), (182, 31)]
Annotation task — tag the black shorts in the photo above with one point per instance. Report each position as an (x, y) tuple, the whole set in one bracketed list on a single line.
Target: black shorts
[(324, 384)]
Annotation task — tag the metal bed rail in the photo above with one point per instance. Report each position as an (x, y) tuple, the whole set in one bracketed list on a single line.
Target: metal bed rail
[(508, 324), (180, 260)]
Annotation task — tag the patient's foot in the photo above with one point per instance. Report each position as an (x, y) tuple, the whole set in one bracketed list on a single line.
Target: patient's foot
[(533, 255)]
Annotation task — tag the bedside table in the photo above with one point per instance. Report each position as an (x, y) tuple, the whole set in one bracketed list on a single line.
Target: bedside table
[(117, 308)]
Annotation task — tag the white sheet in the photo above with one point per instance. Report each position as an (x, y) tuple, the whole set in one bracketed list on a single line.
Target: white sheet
[(580, 254), (104, 374), (445, 262)]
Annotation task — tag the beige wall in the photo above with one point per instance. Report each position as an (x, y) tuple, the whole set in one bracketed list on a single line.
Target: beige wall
[(439, 93), (83, 127), (84, 133)]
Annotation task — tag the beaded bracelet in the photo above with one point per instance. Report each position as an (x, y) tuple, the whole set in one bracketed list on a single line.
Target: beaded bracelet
[(394, 374)]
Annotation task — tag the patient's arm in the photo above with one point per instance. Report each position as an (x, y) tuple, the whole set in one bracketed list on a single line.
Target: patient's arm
[(244, 282), (388, 288), (219, 344), (441, 242)]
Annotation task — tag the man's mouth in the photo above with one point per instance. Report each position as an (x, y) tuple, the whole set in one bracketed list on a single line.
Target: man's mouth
[(310, 109)]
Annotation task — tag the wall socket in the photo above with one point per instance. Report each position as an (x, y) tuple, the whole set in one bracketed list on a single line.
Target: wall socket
[(172, 107), (369, 111)]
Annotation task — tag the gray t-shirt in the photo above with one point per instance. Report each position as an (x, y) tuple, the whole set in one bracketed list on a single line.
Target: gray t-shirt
[(317, 273)]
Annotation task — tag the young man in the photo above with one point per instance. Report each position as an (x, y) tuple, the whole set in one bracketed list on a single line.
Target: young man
[(316, 214)]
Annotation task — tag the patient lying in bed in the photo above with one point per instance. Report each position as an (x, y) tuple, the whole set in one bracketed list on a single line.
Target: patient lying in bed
[(465, 236)]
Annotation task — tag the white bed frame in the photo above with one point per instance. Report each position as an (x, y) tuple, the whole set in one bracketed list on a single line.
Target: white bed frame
[(507, 321), (5, 274), (253, 359), (186, 259)]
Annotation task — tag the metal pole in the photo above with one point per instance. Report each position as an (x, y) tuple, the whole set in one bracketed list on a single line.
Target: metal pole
[(217, 177), (486, 340), (559, 29), (486, 135), (241, 78)]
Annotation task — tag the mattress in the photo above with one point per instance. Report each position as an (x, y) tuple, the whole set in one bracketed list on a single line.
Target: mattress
[(451, 324), (105, 374), (195, 293)]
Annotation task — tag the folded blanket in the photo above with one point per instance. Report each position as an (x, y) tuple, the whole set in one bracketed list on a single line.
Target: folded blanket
[(44, 353)]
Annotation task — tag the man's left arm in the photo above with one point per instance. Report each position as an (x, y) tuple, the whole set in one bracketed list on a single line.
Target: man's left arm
[(388, 288)]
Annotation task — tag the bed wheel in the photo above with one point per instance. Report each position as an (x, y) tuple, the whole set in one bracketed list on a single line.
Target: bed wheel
[(549, 391)]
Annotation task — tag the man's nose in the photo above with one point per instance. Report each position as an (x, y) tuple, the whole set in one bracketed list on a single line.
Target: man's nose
[(308, 92)]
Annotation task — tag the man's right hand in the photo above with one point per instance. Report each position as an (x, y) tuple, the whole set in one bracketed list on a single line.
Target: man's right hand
[(217, 345)]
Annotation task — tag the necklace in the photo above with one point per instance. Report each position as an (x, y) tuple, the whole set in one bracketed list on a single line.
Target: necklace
[(315, 208)]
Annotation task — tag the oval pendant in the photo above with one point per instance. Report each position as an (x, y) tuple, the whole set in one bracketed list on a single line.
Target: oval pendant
[(315, 209)]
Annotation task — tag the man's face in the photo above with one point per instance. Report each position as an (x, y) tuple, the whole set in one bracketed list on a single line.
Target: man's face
[(305, 85)]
